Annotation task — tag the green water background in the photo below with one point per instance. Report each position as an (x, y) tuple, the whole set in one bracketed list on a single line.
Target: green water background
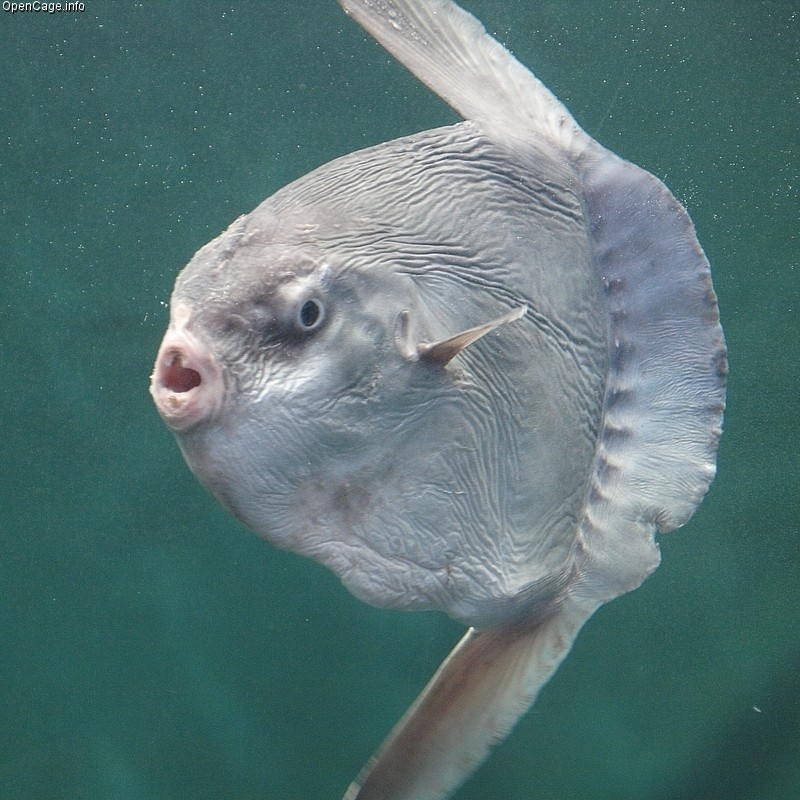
[(150, 648)]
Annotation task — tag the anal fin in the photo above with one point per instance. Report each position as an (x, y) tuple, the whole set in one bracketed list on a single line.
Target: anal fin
[(476, 696)]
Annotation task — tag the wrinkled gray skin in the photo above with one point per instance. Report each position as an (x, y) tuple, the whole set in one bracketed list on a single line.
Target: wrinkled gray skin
[(475, 369), (420, 485)]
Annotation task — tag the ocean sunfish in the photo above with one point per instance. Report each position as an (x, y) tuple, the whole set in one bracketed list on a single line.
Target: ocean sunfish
[(475, 369)]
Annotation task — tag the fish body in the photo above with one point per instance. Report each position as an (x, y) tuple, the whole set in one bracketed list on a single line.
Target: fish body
[(447, 523), (474, 369)]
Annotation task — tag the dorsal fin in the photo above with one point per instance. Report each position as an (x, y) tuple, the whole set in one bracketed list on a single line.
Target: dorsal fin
[(451, 53)]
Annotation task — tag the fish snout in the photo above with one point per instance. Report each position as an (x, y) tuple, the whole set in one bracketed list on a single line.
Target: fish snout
[(186, 383)]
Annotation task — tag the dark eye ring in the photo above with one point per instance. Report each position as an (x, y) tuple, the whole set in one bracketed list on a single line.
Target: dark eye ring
[(310, 314)]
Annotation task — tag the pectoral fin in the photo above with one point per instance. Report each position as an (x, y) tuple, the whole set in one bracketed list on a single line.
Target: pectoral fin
[(489, 680), (445, 350)]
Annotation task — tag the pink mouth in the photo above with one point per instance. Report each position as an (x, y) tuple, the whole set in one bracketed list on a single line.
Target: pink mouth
[(186, 383), (177, 378)]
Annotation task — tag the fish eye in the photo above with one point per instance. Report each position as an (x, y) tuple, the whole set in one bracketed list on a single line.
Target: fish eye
[(310, 314)]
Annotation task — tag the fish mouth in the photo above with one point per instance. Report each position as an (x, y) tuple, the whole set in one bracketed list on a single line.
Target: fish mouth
[(186, 383)]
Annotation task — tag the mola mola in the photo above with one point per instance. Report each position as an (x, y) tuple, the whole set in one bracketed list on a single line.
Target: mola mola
[(475, 369)]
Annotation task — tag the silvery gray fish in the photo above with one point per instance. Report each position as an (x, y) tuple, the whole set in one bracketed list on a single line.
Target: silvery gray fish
[(475, 369)]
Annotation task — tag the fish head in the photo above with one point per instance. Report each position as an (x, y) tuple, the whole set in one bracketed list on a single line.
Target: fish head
[(282, 377)]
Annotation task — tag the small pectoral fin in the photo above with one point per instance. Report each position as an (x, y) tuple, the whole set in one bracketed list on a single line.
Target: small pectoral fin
[(445, 350), (471, 703)]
